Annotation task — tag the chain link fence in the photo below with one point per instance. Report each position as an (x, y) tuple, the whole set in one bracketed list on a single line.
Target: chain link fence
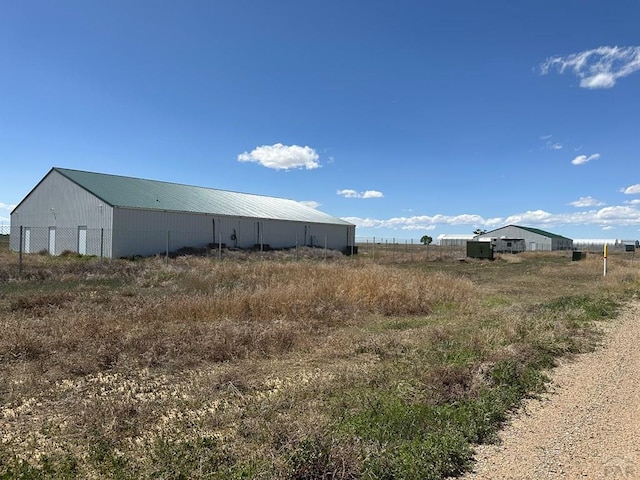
[(407, 250), (400, 250), (613, 246), (98, 242)]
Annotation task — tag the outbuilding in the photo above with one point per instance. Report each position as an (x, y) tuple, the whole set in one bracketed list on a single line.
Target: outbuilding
[(116, 216), (526, 238), (454, 239)]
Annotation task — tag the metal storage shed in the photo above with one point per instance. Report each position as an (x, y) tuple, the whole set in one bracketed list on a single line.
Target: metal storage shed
[(115, 216), (454, 239), (534, 238)]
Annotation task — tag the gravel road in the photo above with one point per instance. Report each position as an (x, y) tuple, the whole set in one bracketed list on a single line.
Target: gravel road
[(587, 426)]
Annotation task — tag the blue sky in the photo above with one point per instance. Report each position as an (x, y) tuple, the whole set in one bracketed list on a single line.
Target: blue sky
[(406, 118)]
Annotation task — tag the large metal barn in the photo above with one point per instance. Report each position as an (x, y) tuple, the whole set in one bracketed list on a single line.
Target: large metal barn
[(532, 238), (115, 216)]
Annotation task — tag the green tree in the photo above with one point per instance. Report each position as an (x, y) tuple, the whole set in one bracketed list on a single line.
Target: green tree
[(426, 240)]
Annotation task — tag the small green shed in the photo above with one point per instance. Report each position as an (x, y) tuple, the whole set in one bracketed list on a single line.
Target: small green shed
[(476, 249)]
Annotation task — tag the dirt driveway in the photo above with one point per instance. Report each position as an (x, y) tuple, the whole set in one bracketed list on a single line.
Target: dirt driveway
[(587, 426)]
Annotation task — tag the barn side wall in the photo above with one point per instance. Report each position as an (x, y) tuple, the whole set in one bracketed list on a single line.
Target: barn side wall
[(149, 232), (57, 216)]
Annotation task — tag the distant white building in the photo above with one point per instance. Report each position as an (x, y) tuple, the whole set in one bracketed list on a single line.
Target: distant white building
[(599, 243), (579, 242), (454, 239)]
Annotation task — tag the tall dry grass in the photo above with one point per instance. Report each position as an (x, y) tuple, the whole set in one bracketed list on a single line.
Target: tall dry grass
[(267, 367), (195, 310)]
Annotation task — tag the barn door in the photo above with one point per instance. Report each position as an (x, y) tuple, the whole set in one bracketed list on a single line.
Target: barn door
[(82, 240), (27, 240), (52, 240)]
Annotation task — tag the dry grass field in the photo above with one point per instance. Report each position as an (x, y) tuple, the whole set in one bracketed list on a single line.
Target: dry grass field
[(282, 366)]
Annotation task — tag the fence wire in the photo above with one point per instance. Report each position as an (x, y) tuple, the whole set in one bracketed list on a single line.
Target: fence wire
[(98, 242)]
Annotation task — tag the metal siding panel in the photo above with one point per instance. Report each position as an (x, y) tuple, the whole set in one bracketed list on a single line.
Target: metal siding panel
[(148, 232), (282, 234), (145, 232), (512, 231)]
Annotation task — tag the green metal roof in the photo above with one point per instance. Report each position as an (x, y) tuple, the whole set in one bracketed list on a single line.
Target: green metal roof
[(532, 230), (128, 192), (542, 232)]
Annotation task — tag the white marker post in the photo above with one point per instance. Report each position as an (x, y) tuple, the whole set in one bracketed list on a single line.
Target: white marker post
[(605, 260)]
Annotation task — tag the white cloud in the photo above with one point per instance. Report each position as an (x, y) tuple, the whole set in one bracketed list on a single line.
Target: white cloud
[(7, 206), (424, 222), (529, 217), (348, 193), (310, 203), (597, 68), (635, 201), (282, 157), (586, 202), (372, 194), (618, 213), (550, 143), (582, 159), (613, 216), (632, 189)]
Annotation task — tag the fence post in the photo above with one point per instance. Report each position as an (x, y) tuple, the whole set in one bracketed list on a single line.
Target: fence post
[(393, 247), (101, 244), (325, 248), (373, 256), (20, 254), (167, 252)]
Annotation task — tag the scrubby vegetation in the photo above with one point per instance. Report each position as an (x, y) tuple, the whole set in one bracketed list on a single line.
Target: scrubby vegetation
[(270, 367)]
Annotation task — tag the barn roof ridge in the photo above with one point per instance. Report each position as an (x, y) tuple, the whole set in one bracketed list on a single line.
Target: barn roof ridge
[(532, 230), (62, 170)]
